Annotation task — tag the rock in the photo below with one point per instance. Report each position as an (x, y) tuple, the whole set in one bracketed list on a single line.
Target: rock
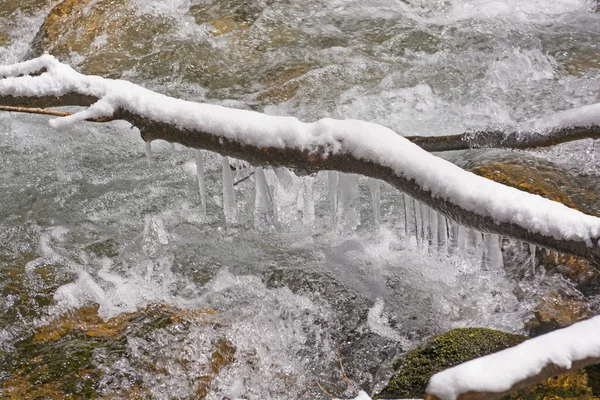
[(555, 312), (71, 357), (533, 175), (11, 12), (413, 370), (8, 7), (283, 83), (214, 45), (542, 177)]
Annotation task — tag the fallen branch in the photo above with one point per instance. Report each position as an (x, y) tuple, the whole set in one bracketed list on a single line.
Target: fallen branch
[(464, 141), (519, 367), (346, 146)]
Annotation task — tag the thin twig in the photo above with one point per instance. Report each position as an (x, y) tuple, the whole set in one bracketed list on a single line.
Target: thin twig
[(324, 391), (244, 178), (344, 372), (53, 113)]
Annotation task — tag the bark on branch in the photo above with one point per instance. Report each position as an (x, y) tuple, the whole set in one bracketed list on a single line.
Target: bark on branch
[(156, 123)]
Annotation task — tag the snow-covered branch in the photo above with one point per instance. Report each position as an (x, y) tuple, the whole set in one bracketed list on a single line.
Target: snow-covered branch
[(343, 145), (518, 367)]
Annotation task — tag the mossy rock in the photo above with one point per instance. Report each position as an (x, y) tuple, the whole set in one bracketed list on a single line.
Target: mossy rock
[(414, 369), (68, 358)]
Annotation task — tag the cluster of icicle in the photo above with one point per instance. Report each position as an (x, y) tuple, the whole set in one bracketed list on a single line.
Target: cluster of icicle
[(423, 226)]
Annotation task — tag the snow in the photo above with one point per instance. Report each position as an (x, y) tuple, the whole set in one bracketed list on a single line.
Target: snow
[(362, 139), (588, 115), (500, 371)]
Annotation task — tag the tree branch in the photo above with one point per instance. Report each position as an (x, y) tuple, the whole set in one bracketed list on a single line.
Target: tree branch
[(346, 146), (464, 141)]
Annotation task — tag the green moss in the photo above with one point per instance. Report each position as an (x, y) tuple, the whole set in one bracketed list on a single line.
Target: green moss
[(414, 369)]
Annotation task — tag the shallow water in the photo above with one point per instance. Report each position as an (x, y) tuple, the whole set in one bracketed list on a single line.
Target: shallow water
[(84, 218)]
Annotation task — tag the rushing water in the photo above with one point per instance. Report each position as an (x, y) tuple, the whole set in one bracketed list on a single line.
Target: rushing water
[(86, 218)]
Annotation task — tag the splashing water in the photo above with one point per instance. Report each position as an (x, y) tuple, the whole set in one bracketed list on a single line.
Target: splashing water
[(292, 266)]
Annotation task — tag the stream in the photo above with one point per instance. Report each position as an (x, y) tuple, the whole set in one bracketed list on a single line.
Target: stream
[(87, 219)]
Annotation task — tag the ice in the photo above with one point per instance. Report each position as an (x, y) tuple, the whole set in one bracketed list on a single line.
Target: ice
[(332, 178), (348, 202), (229, 207), (442, 234), (408, 215), (375, 200), (286, 194), (532, 249), (263, 201), (148, 149), (200, 177), (453, 229), (492, 255), (424, 224), (419, 228), (309, 201), (432, 230)]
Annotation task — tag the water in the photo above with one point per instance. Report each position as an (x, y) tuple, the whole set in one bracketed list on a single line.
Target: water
[(292, 266)]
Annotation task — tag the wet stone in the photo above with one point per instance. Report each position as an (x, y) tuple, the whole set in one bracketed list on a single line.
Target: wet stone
[(71, 356)]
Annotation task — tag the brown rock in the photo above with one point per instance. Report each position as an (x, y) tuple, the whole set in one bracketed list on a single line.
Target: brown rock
[(554, 312), (542, 177), (60, 360)]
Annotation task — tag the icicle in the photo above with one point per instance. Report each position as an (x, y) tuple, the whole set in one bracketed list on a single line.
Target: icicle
[(492, 255), (408, 216), (332, 177), (263, 202), (309, 202), (424, 224), (442, 234), (453, 238), (462, 238), (433, 230), (200, 176), (532, 249), (475, 243), (149, 152), (348, 202), (286, 196), (375, 200), (418, 222), (556, 257), (229, 207)]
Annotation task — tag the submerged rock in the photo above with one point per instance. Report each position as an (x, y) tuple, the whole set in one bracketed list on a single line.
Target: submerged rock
[(80, 355), (413, 370), (213, 45), (555, 312), (542, 177)]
